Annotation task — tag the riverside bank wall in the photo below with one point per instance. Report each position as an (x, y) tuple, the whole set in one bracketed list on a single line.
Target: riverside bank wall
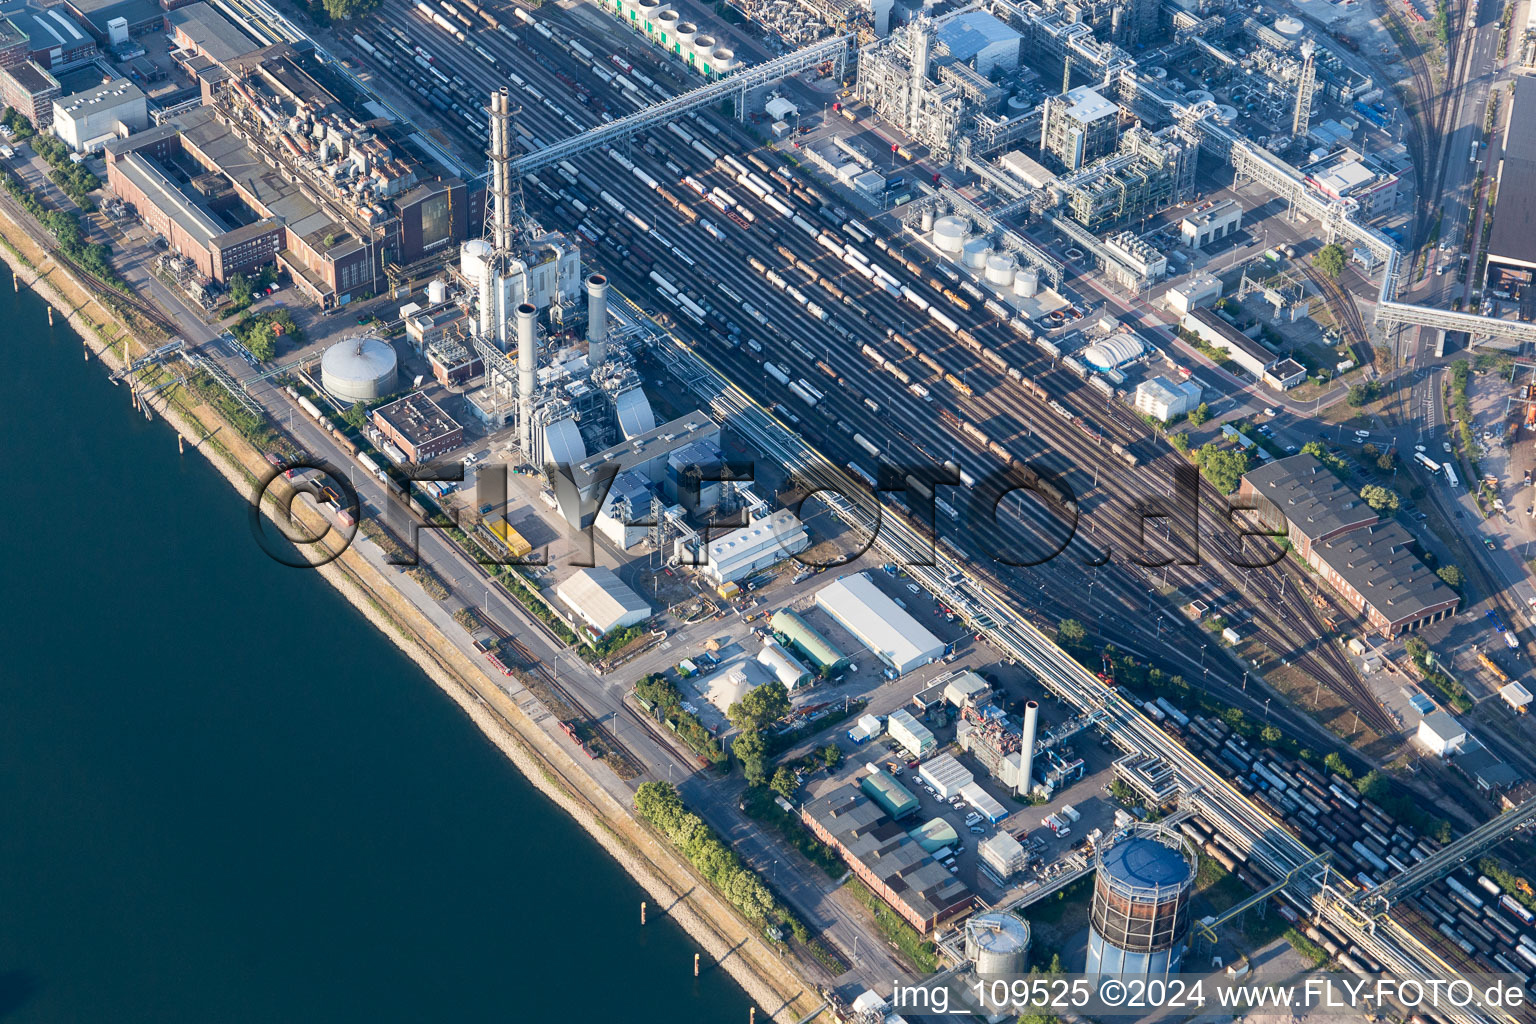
[(768, 978)]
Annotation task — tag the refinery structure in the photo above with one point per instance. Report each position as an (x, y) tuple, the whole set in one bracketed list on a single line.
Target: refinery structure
[(710, 340)]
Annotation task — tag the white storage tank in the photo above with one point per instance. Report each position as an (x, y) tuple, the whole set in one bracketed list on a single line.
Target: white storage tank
[(998, 944), (437, 291), (1225, 114), (926, 221), (473, 257), (1198, 96), (975, 253), (359, 369), (1000, 269), (1289, 27), (950, 233), (1026, 282)]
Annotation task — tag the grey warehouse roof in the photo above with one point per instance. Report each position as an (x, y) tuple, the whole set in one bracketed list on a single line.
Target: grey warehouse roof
[(1314, 501), (213, 33), (1514, 223), (968, 34), (190, 217)]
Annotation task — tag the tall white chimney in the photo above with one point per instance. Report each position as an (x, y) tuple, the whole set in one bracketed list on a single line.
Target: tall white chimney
[(1027, 751), (597, 319), (525, 374)]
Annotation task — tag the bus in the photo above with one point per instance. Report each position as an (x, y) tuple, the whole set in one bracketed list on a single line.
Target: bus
[(1450, 475), (1427, 462)]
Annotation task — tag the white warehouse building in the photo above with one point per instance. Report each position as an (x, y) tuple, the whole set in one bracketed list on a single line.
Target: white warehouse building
[(946, 775), (910, 733), (602, 600), (895, 637), (86, 120), (1164, 400), (759, 544)]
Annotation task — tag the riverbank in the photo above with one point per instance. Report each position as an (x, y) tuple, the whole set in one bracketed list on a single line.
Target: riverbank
[(672, 888)]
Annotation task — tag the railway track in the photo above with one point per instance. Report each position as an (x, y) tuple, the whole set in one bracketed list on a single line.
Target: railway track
[(1029, 422), (1028, 429)]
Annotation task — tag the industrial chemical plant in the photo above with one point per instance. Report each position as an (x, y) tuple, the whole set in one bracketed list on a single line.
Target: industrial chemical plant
[(815, 409)]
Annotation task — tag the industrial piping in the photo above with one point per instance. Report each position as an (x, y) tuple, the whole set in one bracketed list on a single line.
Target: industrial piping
[(597, 319)]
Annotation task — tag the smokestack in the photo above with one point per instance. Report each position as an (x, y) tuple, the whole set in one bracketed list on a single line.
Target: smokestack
[(525, 374), (500, 180), (1027, 750), (597, 318)]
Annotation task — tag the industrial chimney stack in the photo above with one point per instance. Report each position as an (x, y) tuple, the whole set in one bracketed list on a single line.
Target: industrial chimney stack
[(597, 319)]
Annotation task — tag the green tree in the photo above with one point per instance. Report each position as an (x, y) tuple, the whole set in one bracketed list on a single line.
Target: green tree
[(1180, 441), (1380, 498), (1329, 260), (1199, 414), (831, 755), (1270, 735), (1223, 467), (784, 783), (1363, 393), (240, 291), (339, 9), (1071, 632), (1334, 763), (752, 751), (356, 416), (1372, 785), (1451, 575), (1320, 452), (261, 342), (1388, 461), (767, 703)]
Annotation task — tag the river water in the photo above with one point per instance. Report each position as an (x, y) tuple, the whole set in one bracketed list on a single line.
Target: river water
[(225, 797)]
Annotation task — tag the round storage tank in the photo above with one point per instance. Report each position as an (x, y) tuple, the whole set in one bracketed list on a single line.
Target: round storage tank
[(1139, 919), (998, 944), (359, 369), (473, 257), (1289, 27), (1225, 114), (949, 233), (1027, 282), (926, 220), (1198, 96), (975, 253), (437, 291), (1000, 269)]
